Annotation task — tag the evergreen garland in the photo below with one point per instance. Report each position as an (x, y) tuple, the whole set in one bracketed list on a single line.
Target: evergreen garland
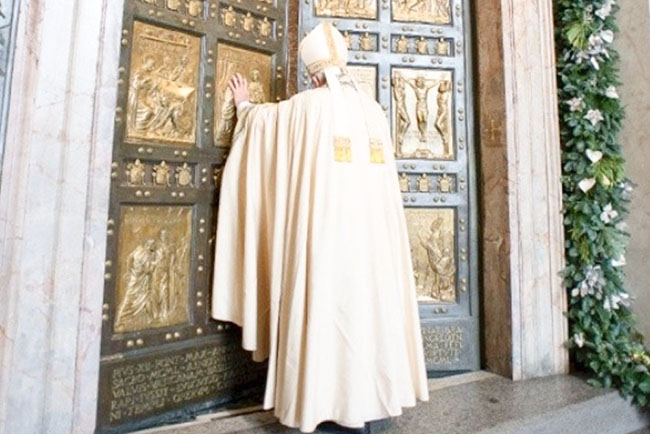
[(596, 194)]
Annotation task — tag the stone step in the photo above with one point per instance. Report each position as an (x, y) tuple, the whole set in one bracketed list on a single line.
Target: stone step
[(478, 403)]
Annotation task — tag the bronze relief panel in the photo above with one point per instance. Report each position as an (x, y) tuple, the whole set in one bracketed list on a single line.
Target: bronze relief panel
[(366, 78), (423, 11), (423, 113), (256, 67), (432, 235), (347, 8), (162, 96), (154, 267)]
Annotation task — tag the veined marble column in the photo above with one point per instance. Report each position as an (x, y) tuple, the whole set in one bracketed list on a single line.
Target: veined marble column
[(53, 211), (524, 299)]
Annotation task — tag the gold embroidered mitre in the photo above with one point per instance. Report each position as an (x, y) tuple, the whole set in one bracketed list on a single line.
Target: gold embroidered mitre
[(324, 47)]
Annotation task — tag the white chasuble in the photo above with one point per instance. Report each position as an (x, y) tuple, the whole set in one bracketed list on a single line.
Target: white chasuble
[(313, 261)]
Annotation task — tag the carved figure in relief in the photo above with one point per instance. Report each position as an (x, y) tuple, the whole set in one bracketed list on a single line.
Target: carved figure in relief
[(402, 45), (229, 17), (442, 10), (404, 183), (135, 173), (444, 184), (157, 101), (256, 88), (194, 7), (430, 11), (403, 119), (139, 299), (366, 42), (248, 22), (423, 183), (442, 47), (265, 27), (228, 109), (173, 4), (422, 46), (183, 175), (443, 122), (167, 277), (348, 39), (346, 8), (421, 86), (161, 174), (441, 267)]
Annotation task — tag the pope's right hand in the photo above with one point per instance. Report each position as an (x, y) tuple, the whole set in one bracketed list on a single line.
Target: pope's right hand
[(239, 88)]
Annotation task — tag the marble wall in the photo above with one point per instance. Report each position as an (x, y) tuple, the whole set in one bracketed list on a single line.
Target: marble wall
[(53, 212), (633, 43)]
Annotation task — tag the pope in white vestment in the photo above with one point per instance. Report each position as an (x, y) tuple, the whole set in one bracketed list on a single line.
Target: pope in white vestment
[(312, 252)]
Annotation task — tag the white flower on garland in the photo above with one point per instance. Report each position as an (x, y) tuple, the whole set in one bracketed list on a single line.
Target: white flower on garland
[(594, 156), (576, 104), (592, 284), (605, 10), (607, 36), (587, 184), (621, 226), (619, 262), (615, 301), (608, 214), (579, 339), (594, 116), (612, 93)]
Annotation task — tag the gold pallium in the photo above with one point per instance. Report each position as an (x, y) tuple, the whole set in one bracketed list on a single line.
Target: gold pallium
[(432, 234), (423, 11), (422, 113), (162, 100), (154, 267), (256, 67), (366, 78), (342, 150), (347, 8), (377, 151)]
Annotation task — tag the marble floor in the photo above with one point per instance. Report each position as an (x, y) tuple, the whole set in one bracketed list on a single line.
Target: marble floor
[(472, 403)]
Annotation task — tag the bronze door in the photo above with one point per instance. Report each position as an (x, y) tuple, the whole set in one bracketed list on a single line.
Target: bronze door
[(414, 57), (162, 357)]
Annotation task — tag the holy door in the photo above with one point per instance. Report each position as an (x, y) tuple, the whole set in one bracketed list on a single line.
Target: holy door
[(414, 58), (162, 356)]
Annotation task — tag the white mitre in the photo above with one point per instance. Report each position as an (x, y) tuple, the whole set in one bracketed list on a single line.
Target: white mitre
[(324, 48)]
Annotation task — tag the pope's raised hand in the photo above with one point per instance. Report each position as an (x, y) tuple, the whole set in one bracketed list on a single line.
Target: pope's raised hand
[(239, 88)]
